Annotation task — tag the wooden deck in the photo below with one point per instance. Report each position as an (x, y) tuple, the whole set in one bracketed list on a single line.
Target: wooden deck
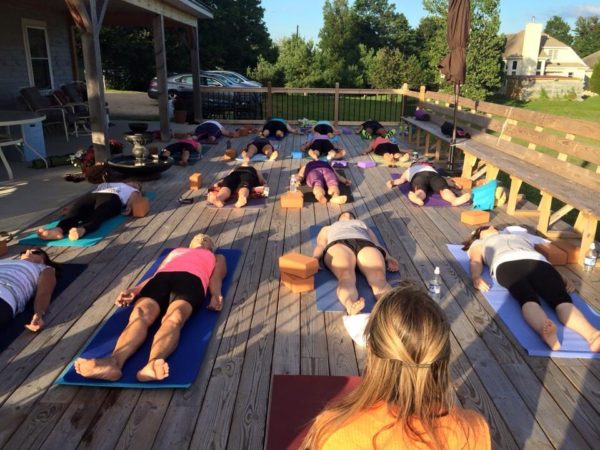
[(264, 329)]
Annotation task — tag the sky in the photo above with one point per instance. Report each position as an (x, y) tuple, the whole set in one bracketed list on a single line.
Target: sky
[(283, 16)]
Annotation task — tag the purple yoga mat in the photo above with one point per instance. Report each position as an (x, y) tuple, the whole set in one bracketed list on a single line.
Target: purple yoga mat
[(433, 198)]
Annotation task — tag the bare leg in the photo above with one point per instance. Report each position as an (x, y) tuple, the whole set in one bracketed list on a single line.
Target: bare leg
[(243, 194), (336, 198), (371, 263), (50, 234), (165, 341), (319, 194), (417, 197), (537, 319), (389, 159), (185, 156), (279, 134), (402, 157), (266, 133), (219, 198), (76, 233), (145, 312), (249, 152), (572, 317), (449, 196), (342, 262), (314, 154), (270, 152)]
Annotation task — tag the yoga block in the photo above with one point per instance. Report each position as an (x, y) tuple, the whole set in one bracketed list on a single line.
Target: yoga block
[(571, 248), (297, 284), (474, 217), (554, 255), (465, 183), (367, 164), (140, 207), (292, 200), (195, 181), (230, 154), (296, 154), (299, 265)]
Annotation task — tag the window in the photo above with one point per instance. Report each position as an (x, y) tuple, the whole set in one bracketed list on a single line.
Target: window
[(571, 74), (514, 68), (553, 54), (538, 69), (37, 54)]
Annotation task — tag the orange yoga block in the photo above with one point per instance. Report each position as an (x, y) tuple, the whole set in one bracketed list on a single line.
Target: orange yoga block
[(554, 255), (195, 181), (465, 183), (298, 265), (292, 200), (230, 154), (140, 207), (475, 217), (298, 284), (571, 248)]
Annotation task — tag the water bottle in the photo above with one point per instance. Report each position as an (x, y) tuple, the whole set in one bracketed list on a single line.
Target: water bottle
[(589, 261), (435, 285), (415, 156), (293, 183)]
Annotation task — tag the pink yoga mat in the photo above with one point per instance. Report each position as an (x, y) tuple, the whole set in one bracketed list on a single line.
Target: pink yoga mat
[(295, 401)]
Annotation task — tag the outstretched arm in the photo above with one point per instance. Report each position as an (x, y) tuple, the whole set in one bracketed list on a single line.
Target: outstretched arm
[(391, 263), (342, 179), (398, 181), (43, 294), (215, 284), (321, 242), (476, 266)]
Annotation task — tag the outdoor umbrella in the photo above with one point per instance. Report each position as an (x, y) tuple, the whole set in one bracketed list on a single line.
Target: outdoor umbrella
[(454, 65)]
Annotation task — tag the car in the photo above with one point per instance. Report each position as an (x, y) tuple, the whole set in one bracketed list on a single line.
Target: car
[(236, 77)]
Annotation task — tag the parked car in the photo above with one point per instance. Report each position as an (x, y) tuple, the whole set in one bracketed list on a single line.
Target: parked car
[(236, 77)]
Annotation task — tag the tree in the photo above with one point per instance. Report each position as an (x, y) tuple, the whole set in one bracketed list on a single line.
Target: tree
[(430, 39), (297, 62), (595, 79), (587, 35), (559, 29), (390, 68), (266, 71)]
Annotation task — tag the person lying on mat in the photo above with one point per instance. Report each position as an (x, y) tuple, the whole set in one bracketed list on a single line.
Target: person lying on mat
[(323, 180), (405, 399), (211, 130), (278, 127), (423, 178), (260, 146), (182, 148), (321, 145), (242, 180), (88, 212), (325, 127), (31, 276), (349, 244), (390, 152), (176, 291), (527, 275), (372, 128)]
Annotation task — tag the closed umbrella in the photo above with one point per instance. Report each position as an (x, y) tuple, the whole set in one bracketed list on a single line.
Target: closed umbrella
[(454, 65)]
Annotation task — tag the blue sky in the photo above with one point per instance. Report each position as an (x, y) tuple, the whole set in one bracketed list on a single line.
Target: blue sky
[(282, 16)]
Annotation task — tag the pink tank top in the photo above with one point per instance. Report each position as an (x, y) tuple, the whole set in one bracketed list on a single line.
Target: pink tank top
[(197, 261), (379, 140)]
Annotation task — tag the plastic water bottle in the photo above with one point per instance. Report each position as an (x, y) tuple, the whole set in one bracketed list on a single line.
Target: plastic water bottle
[(415, 156), (435, 285), (589, 261), (293, 183)]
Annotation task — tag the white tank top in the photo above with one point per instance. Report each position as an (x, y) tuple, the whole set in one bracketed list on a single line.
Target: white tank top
[(418, 168), (123, 190), (18, 282), (214, 122)]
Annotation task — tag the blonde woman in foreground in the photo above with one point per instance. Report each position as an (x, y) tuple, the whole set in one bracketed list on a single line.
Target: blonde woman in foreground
[(405, 399)]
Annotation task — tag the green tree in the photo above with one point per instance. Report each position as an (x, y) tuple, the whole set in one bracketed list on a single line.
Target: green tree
[(559, 29), (266, 71), (430, 39), (297, 62), (587, 35), (390, 68), (595, 79)]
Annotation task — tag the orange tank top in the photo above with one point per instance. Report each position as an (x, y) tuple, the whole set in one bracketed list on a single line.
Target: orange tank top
[(196, 261)]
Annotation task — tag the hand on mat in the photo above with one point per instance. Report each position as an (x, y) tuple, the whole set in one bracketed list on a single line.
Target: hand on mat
[(216, 303), (125, 298), (569, 286), (36, 324), (347, 182), (480, 284), (392, 264), (126, 211)]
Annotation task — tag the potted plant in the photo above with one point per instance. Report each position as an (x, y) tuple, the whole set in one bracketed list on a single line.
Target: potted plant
[(179, 111)]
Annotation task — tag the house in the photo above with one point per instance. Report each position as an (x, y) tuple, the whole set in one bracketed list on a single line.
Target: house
[(591, 61), (535, 61), (38, 40)]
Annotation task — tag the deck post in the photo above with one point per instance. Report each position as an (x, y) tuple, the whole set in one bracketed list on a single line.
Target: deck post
[(515, 187), (269, 101), (336, 104), (422, 92), (160, 57), (195, 57), (589, 224)]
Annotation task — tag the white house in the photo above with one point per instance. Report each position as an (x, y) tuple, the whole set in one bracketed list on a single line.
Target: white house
[(534, 60)]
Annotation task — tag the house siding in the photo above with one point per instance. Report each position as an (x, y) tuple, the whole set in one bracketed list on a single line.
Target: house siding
[(13, 64)]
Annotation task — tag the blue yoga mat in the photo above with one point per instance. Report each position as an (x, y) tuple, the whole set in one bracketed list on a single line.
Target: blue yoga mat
[(185, 361), (88, 240), (336, 138), (68, 273), (326, 283), (572, 345)]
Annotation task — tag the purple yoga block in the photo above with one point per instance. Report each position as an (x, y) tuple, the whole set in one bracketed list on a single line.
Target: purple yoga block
[(366, 164), (339, 163)]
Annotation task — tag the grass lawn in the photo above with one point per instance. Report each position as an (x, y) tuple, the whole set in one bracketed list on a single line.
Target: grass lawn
[(588, 109)]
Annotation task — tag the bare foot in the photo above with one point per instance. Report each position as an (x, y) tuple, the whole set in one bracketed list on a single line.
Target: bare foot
[(405, 157), (389, 184), (51, 234), (36, 324), (355, 307), (154, 371), (462, 199), (549, 335), (314, 154), (415, 199), (279, 133), (214, 200), (340, 153), (241, 202), (595, 342), (321, 199), (76, 233), (338, 199), (245, 155), (389, 158), (274, 155), (102, 368), (216, 303)]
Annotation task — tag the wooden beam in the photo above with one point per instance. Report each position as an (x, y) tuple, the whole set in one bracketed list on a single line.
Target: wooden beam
[(192, 33), (336, 104), (515, 187), (559, 214), (545, 210), (80, 15), (165, 10), (160, 58)]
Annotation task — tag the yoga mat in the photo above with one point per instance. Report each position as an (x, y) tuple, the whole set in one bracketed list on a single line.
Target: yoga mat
[(381, 162), (335, 138), (326, 283), (68, 273), (257, 157), (509, 310), (296, 400), (184, 363), (253, 202), (89, 239), (432, 199), (344, 190)]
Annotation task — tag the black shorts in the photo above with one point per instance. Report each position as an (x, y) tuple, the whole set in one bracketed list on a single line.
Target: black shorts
[(386, 147), (205, 130), (260, 144), (322, 146), (323, 128), (372, 125), (275, 125), (526, 279), (242, 177), (6, 313), (356, 245), (166, 287), (429, 181), (176, 148)]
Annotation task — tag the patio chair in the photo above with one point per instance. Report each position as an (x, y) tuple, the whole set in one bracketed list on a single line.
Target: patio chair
[(80, 109), (55, 114), (76, 92)]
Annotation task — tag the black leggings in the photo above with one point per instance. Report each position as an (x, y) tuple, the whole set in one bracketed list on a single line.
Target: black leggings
[(525, 279), (322, 146), (275, 125), (242, 177), (323, 128), (371, 126), (6, 313), (387, 147), (429, 181), (90, 211), (166, 287)]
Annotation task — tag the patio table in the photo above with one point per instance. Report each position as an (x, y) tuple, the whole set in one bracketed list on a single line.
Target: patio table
[(21, 118)]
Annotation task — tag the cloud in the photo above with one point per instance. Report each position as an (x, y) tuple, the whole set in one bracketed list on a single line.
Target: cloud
[(581, 10)]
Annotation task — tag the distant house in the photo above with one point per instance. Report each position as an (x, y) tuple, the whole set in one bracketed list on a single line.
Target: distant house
[(534, 60), (591, 61)]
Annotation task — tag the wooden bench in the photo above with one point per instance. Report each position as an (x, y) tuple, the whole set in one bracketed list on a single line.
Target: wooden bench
[(431, 128)]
